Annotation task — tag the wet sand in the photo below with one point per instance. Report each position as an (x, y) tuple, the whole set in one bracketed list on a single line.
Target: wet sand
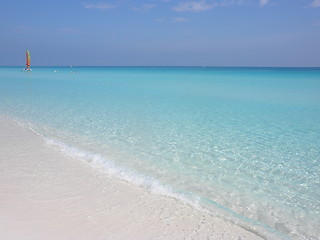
[(45, 194)]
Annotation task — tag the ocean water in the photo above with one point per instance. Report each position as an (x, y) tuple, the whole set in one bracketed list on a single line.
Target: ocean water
[(241, 143)]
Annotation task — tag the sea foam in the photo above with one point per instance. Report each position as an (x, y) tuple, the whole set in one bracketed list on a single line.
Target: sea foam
[(123, 174)]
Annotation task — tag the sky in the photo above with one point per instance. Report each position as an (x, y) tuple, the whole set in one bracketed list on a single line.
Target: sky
[(262, 33)]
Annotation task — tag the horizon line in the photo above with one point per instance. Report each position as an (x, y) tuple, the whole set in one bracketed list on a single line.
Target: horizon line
[(160, 66)]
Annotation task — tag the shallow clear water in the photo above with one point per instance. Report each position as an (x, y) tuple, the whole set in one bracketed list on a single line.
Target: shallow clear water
[(244, 143)]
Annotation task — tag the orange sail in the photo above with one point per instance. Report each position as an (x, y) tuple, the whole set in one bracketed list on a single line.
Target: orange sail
[(28, 60)]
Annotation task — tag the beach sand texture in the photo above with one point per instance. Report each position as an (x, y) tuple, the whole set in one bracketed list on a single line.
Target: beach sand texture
[(45, 194)]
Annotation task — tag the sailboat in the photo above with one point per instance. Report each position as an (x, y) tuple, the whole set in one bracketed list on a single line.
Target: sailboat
[(28, 61)]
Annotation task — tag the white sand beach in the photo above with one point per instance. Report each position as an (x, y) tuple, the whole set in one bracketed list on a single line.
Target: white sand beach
[(45, 194)]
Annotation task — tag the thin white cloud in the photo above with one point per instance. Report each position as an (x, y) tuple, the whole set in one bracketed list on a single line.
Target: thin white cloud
[(99, 5), (315, 3), (180, 20), (144, 7), (227, 3), (194, 6), (263, 3)]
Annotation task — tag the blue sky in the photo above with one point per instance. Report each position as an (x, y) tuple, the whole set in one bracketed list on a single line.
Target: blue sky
[(161, 32)]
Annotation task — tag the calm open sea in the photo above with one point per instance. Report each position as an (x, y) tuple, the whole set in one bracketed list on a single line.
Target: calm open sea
[(242, 143)]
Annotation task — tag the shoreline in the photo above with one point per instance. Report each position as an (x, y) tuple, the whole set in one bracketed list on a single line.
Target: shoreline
[(45, 194)]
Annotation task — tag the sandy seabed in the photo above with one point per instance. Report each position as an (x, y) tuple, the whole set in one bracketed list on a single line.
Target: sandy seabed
[(45, 194)]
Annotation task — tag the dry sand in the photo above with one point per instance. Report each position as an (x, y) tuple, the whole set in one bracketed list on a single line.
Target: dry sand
[(45, 194)]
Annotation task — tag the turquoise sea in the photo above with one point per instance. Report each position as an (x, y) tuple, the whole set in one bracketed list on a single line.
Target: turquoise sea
[(241, 143)]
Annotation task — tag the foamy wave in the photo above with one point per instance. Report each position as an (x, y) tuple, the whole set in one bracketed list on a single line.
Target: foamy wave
[(155, 187), (107, 165), (152, 185)]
